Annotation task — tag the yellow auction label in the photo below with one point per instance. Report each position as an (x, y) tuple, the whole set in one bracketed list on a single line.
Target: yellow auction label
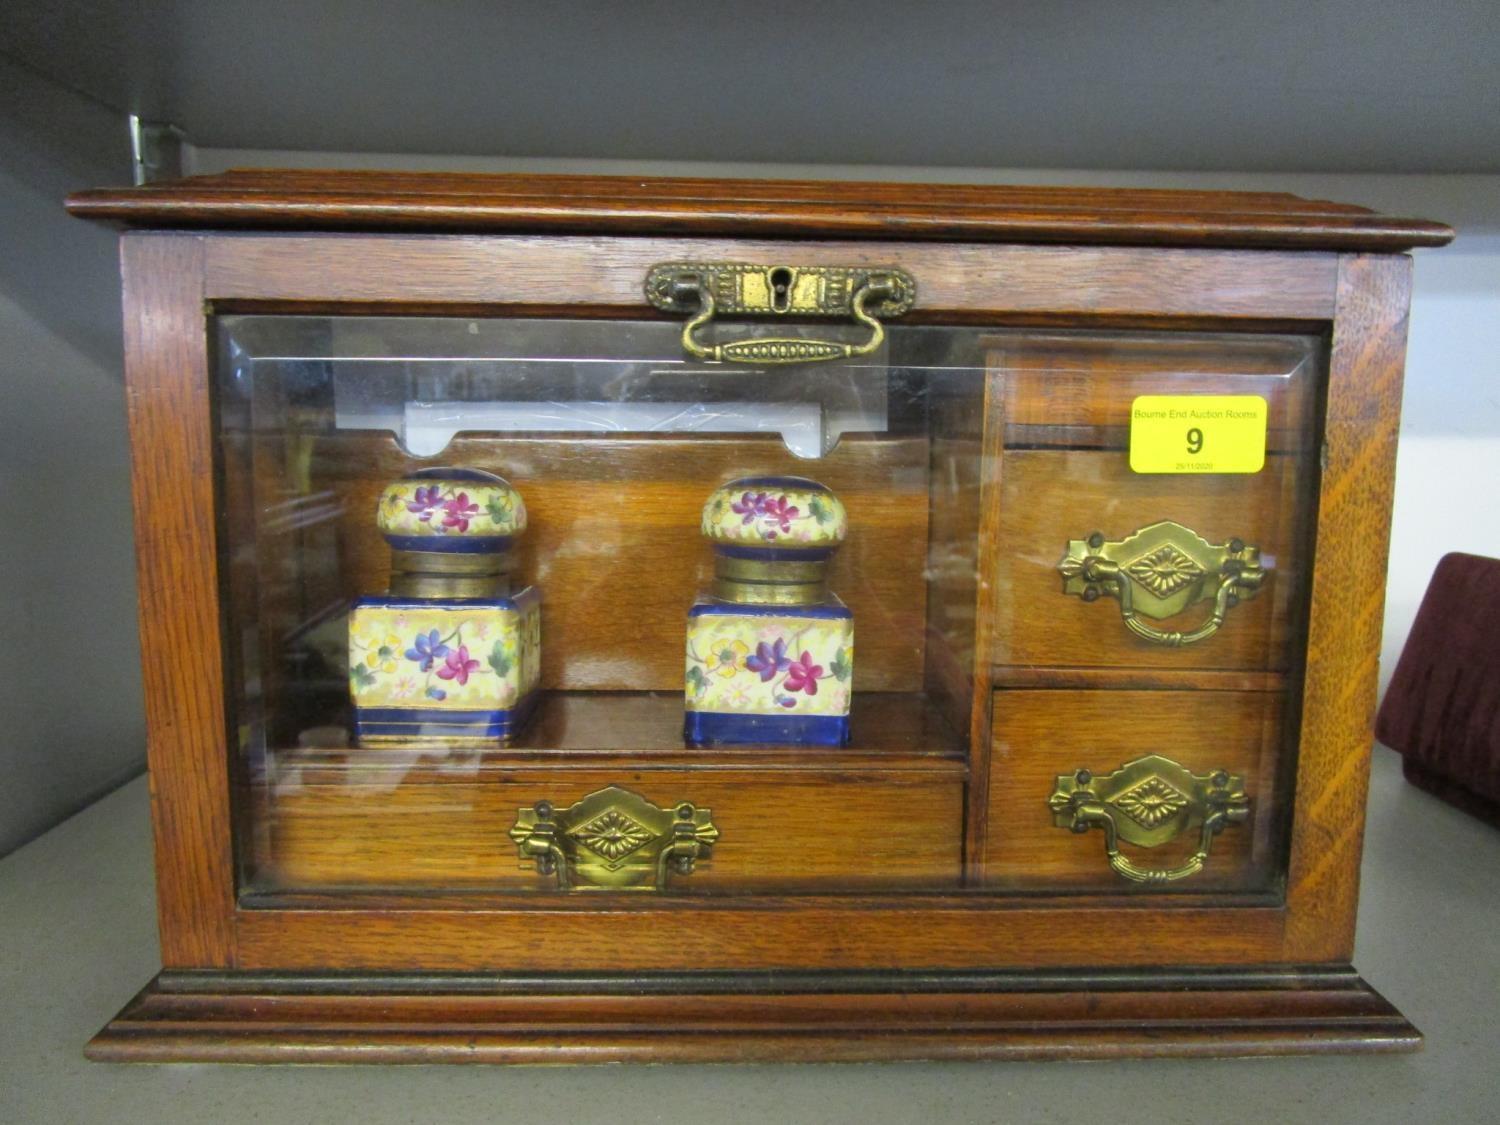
[(1198, 434)]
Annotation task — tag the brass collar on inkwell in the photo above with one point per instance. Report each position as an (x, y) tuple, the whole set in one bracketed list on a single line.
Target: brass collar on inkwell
[(773, 538), (450, 533)]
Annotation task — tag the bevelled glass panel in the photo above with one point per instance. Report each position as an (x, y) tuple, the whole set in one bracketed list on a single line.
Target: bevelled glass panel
[(540, 607)]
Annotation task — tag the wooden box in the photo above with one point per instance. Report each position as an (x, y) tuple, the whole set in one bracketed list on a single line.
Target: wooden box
[(1105, 785)]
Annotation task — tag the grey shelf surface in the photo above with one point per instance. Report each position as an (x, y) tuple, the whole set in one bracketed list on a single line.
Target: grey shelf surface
[(78, 937)]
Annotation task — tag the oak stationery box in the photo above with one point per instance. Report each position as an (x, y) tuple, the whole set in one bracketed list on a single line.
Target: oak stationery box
[(1062, 752)]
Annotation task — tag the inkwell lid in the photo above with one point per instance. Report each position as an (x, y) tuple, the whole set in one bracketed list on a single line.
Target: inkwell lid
[(773, 538), (450, 531)]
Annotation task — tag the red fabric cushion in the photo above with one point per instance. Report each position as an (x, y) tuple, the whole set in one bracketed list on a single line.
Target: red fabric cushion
[(1442, 708)]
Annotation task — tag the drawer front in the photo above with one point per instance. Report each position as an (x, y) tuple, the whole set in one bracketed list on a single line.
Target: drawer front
[(1094, 565), (1053, 498), (777, 830), (1042, 736), (1078, 389)]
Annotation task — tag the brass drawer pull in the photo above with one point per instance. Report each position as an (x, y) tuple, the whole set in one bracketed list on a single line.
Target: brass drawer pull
[(1158, 571), (614, 839), (736, 288), (1148, 802)]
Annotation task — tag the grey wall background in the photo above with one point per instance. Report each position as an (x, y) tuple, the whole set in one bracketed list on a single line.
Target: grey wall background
[(1230, 85), (1369, 101), (70, 705)]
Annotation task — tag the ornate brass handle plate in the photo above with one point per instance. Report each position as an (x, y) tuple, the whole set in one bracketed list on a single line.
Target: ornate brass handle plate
[(613, 840), (1158, 571), (704, 289), (1148, 802)]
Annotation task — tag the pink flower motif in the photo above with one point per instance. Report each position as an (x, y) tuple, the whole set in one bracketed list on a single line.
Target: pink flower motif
[(458, 665), (458, 511), (801, 675), (779, 514)]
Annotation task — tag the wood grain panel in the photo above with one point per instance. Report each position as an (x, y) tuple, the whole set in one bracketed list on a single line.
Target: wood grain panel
[(952, 572), (986, 613), (593, 272), (1348, 601), (700, 932), (172, 486), (614, 542), (1051, 497), (1041, 734)]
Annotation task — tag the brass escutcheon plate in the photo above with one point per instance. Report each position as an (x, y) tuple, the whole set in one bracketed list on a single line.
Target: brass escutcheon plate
[(614, 839), (745, 289), (703, 290)]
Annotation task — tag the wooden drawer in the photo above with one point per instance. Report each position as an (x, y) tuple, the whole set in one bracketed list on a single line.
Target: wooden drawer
[(1039, 735), (1050, 497), (1062, 405), (884, 812), (845, 825), (1077, 389)]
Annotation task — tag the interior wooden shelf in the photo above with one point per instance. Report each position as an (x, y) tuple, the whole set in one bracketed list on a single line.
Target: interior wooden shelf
[(891, 731)]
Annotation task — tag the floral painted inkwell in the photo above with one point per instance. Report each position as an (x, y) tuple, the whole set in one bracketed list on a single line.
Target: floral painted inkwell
[(450, 657), (770, 656)]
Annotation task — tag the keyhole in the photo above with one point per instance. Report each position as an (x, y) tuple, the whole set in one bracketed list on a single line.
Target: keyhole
[(781, 289)]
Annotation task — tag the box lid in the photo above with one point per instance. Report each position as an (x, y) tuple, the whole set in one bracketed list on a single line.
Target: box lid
[(273, 199)]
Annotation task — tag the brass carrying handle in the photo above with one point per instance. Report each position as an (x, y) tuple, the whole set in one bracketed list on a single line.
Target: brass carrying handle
[(1088, 815), (785, 349), (1160, 570), (1228, 595), (1148, 802), (707, 289)]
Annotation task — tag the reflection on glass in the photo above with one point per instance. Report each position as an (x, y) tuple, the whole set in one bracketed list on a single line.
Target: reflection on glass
[(968, 461)]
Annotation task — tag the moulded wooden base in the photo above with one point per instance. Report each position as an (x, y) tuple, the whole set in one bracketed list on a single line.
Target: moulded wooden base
[(776, 1017)]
